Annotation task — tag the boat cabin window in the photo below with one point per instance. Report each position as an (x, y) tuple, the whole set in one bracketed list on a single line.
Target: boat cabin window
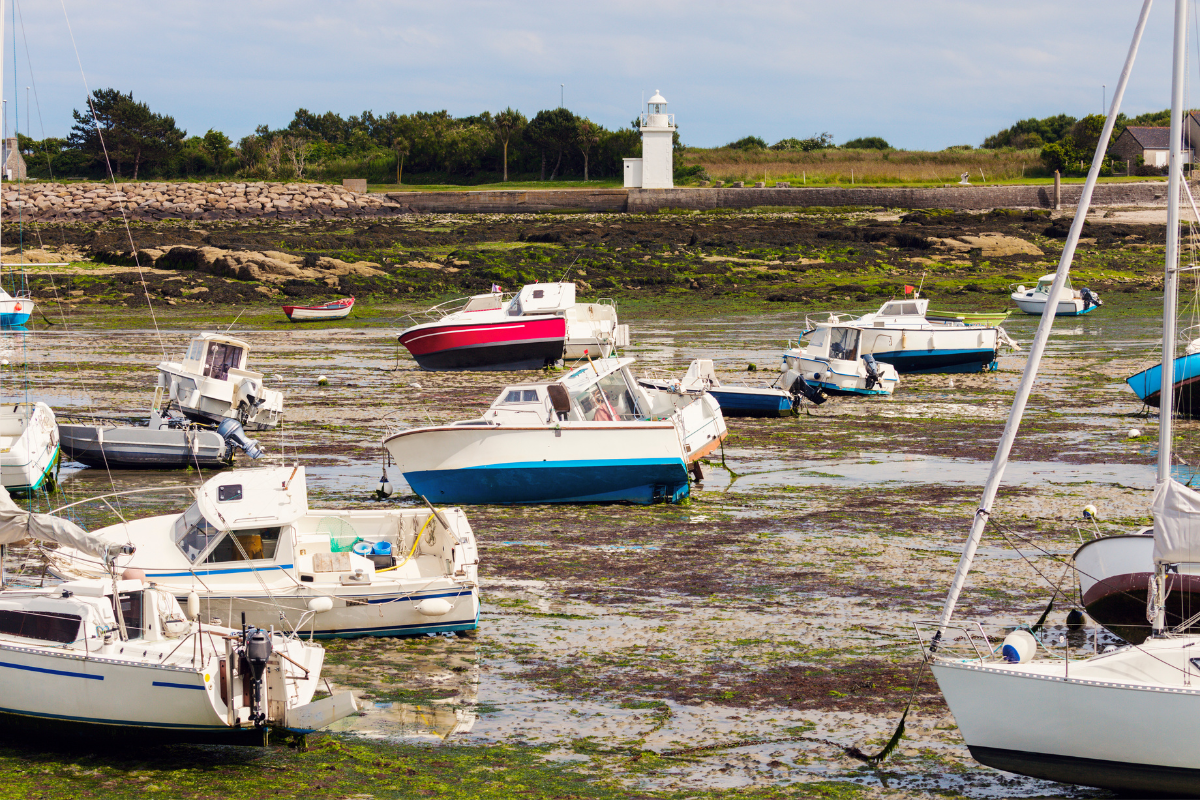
[(194, 534), (43, 625), (222, 358), (131, 612), (607, 400), (521, 396), (257, 543), (899, 309), (1044, 285), (196, 350), (514, 308), (843, 343)]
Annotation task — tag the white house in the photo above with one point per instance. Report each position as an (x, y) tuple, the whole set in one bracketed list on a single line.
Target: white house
[(655, 169)]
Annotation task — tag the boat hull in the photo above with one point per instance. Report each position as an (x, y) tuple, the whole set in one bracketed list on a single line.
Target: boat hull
[(922, 361), (1066, 308), (382, 613), (516, 343), (1147, 385), (30, 447), (1124, 721), (737, 401), (468, 464), (839, 377), (143, 448), (1114, 573)]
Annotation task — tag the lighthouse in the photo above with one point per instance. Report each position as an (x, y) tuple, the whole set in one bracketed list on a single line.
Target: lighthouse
[(655, 169)]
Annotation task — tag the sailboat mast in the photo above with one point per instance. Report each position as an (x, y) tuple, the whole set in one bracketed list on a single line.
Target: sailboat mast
[(1038, 348), (1171, 269)]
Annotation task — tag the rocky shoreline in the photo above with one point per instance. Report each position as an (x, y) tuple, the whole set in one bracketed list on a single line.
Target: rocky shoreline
[(93, 202)]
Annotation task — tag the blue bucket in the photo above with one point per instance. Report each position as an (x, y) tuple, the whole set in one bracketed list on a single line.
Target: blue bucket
[(383, 548), (363, 549)]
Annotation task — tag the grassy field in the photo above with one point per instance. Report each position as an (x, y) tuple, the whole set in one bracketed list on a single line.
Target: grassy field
[(870, 167)]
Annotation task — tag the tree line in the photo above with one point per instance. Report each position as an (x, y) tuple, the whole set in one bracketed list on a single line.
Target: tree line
[(430, 146), (1067, 144)]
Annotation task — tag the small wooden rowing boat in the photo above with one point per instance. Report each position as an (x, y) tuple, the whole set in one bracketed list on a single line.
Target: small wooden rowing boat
[(338, 309)]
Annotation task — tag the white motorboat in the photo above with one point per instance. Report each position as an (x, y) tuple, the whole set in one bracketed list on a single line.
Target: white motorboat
[(1122, 719), (119, 655), (735, 400), (900, 335), (29, 447), (1071, 302), (250, 545), (594, 435), (211, 384), (834, 362), (531, 329)]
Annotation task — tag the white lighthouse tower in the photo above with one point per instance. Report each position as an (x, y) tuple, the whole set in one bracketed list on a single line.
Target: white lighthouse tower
[(655, 169)]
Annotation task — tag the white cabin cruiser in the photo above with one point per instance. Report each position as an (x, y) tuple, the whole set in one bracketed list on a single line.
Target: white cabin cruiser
[(594, 435), (1071, 302), (250, 545), (211, 384), (900, 335), (120, 655), (531, 329), (833, 362)]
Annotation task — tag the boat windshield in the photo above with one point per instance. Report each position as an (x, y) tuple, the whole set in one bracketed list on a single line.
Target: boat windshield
[(194, 534), (607, 400), (1044, 285), (255, 544), (843, 343), (221, 358), (514, 308)]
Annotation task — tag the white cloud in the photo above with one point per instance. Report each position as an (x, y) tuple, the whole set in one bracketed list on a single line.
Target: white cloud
[(921, 74)]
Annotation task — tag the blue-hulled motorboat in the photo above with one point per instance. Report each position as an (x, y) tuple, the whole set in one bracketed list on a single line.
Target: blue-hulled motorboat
[(1147, 384), (735, 400)]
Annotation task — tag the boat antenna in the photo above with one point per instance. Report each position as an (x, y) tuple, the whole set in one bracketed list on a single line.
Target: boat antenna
[(920, 286), (235, 319), (1038, 348), (570, 267)]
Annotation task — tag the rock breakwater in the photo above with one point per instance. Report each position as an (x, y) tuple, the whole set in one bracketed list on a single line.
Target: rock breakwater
[(63, 202)]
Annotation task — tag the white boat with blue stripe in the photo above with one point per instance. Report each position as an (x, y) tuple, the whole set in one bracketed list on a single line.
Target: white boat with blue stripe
[(900, 335), (251, 545), (594, 435), (833, 363), (103, 654)]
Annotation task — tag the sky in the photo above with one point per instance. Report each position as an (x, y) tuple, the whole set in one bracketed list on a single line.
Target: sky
[(923, 74)]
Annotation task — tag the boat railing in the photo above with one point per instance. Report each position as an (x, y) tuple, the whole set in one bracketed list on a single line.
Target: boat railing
[(832, 317), (453, 306), (955, 639)]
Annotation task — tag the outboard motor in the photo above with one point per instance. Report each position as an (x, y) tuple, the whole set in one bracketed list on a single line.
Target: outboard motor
[(1090, 298), (236, 436), (256, 654), (248, 394), (873, 377), (806, 389)]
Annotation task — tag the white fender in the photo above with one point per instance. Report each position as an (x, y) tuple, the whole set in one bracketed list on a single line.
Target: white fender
[(434, 607), (319, 605)]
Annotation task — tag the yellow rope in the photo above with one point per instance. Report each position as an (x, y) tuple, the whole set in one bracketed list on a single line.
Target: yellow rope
[(416, 541)]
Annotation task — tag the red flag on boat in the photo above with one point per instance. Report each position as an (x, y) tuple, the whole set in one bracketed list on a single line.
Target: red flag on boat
[(908, 288)]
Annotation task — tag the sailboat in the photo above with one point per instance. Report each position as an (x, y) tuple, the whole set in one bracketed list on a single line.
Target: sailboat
[(1124, 719)]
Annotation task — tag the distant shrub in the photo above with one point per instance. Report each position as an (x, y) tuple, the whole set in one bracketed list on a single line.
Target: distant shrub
[(959, 148), (748, 143), (867, 143), (820, 141), (694, 171)]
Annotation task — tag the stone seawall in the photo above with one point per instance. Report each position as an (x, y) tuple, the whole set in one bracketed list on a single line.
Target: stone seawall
[(93, 202), (51, 202)]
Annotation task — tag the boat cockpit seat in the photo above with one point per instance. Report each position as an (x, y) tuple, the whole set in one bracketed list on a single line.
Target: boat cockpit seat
[(560, 399)]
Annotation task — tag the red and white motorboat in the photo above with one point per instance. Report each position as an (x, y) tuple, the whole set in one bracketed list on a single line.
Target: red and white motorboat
[(338, 309), (532, 329)]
